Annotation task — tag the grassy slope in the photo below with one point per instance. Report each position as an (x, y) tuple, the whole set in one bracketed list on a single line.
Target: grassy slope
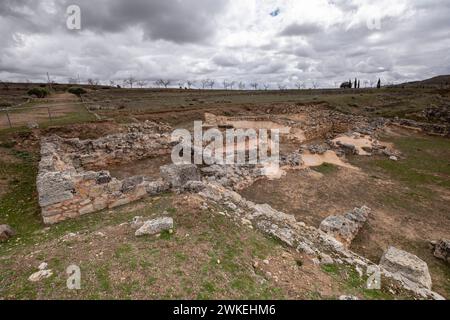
[(424, 177), (207, 257)]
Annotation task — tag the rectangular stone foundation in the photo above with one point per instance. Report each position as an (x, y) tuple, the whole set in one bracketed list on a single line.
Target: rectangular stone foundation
[(68, 190)]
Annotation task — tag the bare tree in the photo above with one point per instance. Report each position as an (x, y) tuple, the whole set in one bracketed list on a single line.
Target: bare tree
[(112, 83), (254, 85), (190, 83), (241, 86), (225, 84), (141, 83), (205, 83), (163, 83), (282, 86), (232, 84), (299, 85), (211, 83), (315, 84), (266, 86), (93, 82), (129, 81), (49, 82)]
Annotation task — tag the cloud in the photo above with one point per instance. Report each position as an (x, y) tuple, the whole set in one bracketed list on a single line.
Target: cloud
[(323, 41), (305, 29)]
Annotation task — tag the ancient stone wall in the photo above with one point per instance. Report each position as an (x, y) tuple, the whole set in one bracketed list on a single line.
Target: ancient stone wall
[(67, 185)]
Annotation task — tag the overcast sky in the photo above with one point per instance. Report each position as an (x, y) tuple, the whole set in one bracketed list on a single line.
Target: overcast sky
[(268, 41)]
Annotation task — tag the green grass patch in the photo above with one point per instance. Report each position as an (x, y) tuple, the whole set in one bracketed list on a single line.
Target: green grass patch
[(326, 168)]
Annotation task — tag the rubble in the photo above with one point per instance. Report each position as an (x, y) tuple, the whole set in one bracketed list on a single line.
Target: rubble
[(42, 274), (346, 227), (322, 247), (178, 175), (155, 226), (442, 250)]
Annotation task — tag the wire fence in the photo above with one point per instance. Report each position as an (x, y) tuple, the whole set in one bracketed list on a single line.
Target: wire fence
[(19, 116)]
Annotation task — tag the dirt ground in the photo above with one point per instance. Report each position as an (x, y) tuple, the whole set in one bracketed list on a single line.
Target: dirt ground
[(405, 214)]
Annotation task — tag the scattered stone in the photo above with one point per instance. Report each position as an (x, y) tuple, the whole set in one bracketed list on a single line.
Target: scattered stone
[(43, 266), (303, 247), (318, 148), (326, 259), (179, 175), (40, 275), (33, 125), (407, 266), (6, 232), (393, 158), (155, 226), (346, 227), (193, 186), (442, 250)]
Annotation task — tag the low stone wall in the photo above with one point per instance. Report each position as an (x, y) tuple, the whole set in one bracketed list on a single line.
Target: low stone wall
[(67, 185)]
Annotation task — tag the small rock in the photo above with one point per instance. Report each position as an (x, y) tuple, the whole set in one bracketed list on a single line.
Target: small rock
[(442, 250), (6, 232), (156, 226), (266, 261), (393, 158), (40, 275), (33, 125), (137, 222), (43, 266), (326, 259)]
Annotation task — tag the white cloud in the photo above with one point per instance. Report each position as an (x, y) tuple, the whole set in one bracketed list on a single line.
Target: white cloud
[(325, 41)]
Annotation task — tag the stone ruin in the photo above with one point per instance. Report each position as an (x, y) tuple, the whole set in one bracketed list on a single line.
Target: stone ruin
[(72, 181)]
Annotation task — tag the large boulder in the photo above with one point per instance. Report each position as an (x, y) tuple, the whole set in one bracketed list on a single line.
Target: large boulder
[(155, 226), (6, 232), (345, 227), (407, 266), (178, 175), (442, 250)]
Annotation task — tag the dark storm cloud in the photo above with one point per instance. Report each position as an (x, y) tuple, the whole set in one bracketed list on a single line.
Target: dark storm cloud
[(171, 20)]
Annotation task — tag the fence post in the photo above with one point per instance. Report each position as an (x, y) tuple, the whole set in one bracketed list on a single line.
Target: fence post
[(49, 114), (9, 120)]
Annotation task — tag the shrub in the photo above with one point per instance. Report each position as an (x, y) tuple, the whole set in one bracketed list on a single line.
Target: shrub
[(38, 92), (76, 91)]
